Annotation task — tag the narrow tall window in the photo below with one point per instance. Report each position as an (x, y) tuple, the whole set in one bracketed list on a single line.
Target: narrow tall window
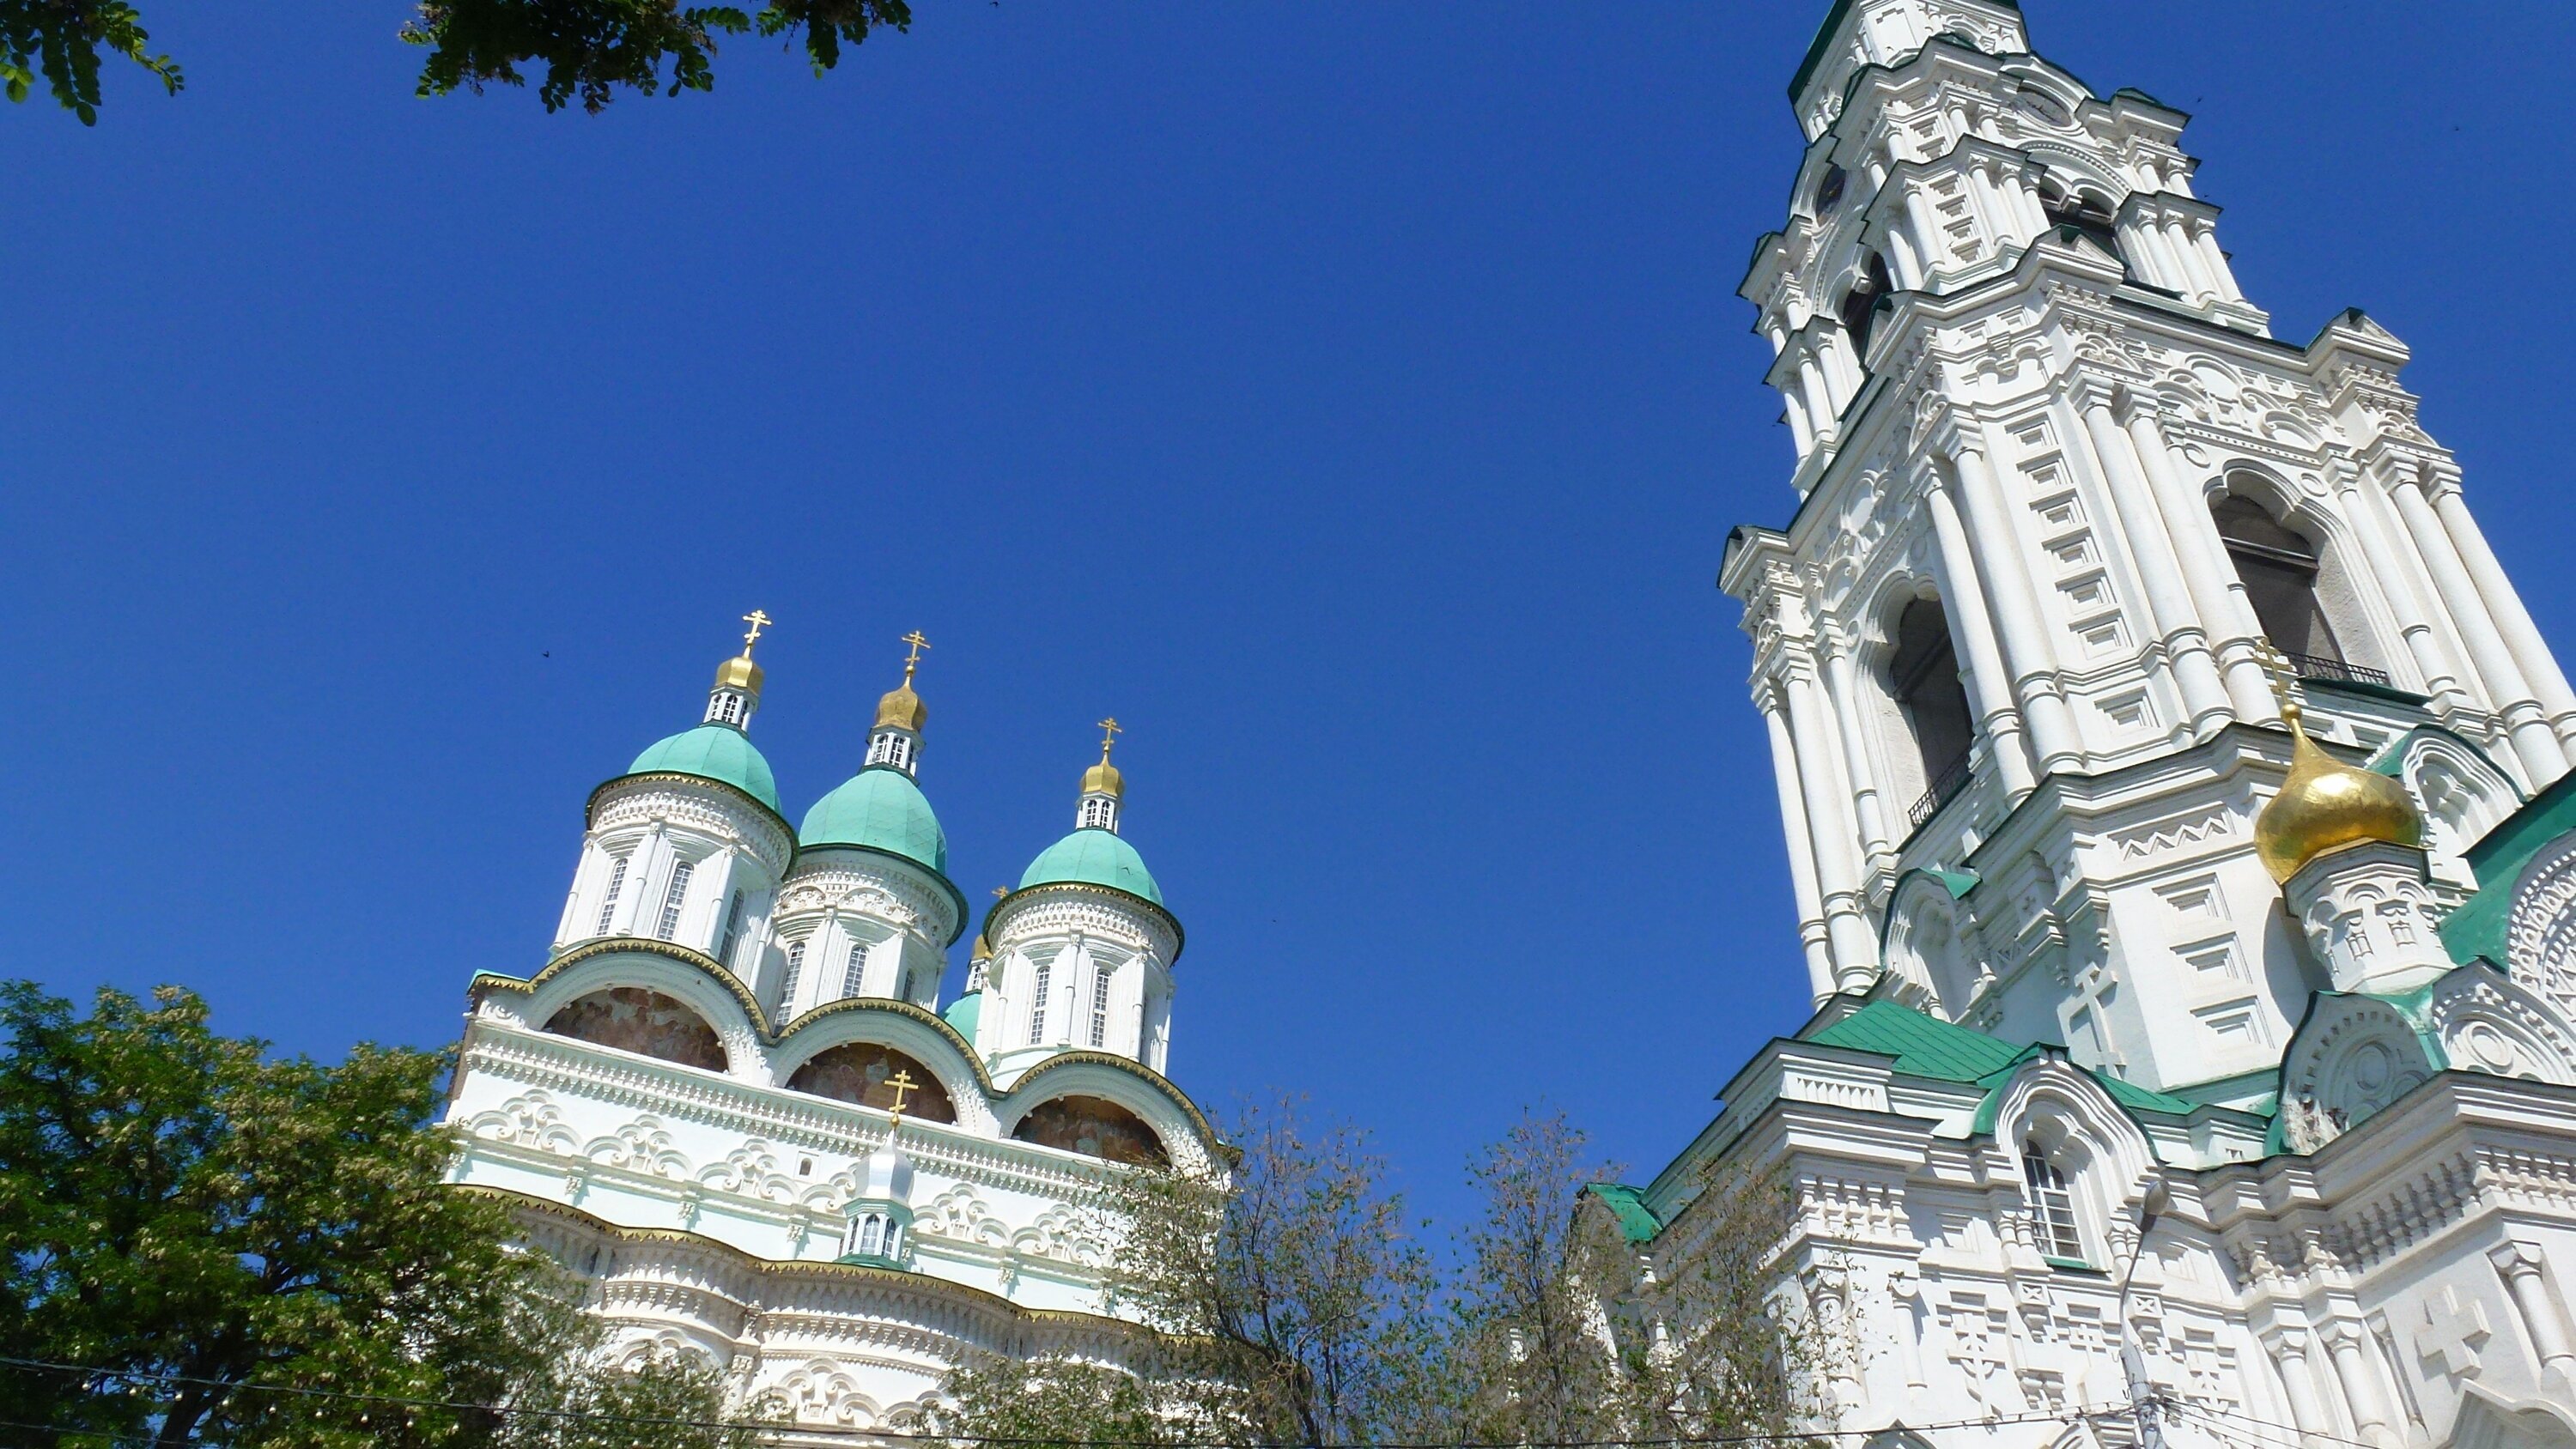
[(1097, 812), (854, 971), (2052, 1207), (1100, 1008), (732, 930), (787, 982), (1923, 674), (673, 899), (1038, 1003), (2279, 571), (608, 907)]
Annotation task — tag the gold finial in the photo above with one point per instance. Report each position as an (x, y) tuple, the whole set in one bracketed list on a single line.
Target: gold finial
[(1109, 732), (1103, 778), (901, 708), (758, 621), (2324, 804), (1000, 891)]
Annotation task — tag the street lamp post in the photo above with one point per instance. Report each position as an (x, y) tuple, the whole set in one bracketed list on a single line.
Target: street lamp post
[(2142, 1401)]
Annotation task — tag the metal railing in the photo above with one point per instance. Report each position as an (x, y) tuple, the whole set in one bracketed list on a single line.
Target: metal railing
[(1944, 785), (2311, 666)]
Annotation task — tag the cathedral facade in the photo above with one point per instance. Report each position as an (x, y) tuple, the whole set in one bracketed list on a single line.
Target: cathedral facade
[(2178, 806), (733, 1104)]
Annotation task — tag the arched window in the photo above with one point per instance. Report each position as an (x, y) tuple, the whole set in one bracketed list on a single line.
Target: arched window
[(787, 981), (1859, 310), (732, 930), (2279, 570), (616, 883), (2082, 210), (854, 971), (633, 1019), (673, 899), (1923, 673), (1038, 1001), (2052, 1207)]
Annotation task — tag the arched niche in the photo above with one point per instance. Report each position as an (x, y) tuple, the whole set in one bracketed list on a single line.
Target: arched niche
[(634, 1019), (864, 1072), (1094, 1127)]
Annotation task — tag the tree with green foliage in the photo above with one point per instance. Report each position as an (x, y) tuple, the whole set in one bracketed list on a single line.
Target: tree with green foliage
[(1290, 1302), (64, 41), (205, 1244), (582, 50), (590, 47)]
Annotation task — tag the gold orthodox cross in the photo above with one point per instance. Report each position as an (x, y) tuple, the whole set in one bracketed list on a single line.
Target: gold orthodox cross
[(2278, 672), (758, 621), (1109, 733), (914, 658), (903, 1086)]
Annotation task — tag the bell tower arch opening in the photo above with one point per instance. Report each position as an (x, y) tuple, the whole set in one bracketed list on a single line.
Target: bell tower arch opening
[(2288, 579), (1923, 679)]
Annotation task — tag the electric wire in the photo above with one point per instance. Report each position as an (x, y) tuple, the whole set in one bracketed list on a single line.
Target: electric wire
[(906, 1436), (2305, 1436)]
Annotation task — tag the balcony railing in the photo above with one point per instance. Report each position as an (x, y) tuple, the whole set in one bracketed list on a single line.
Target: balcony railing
[(2311, 666), (1944, 785)]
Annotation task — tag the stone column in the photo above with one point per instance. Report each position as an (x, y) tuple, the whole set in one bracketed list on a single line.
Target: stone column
[(1931, 246), (1820, 398), (2361, 1387), (2525, 1274), (2206, 572), (2504, 603), (1973, 632), (1829, 824), (2508, 694), (2204, 241), (2389, 574), (1802, 853), (1842, 687), (2289, 1350), (2029, 661), (2178, 239), (2171, 617)]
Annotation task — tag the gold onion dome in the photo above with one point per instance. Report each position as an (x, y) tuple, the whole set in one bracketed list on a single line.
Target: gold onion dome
[(901, 708), (983, 949), (2325, 805), (739, 673)]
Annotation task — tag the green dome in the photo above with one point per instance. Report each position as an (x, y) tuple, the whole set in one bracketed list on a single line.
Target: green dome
[(712, 752), (1093, 857), (965, 1012), (881, 809)]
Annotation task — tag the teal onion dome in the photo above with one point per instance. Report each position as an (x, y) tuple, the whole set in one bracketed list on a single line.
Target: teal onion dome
[(715, 752), (1093, 857), (881, 809), (965, 1014)]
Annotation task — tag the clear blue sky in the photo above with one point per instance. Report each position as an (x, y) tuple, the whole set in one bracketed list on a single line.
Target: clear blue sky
[(1352, 399)]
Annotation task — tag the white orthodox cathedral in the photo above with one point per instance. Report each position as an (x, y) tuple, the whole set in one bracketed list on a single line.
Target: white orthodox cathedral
[(2177, 802), (732, 1103), (2178, 806)]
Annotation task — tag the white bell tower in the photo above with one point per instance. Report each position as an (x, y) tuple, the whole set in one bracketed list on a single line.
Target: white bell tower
[(2057, 491)]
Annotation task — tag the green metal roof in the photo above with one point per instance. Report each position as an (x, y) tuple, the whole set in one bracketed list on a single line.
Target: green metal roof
[(1093, 856), (1922, 1046), (2477, 928), (715, 752), (882, 809), (1637, 1222)]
